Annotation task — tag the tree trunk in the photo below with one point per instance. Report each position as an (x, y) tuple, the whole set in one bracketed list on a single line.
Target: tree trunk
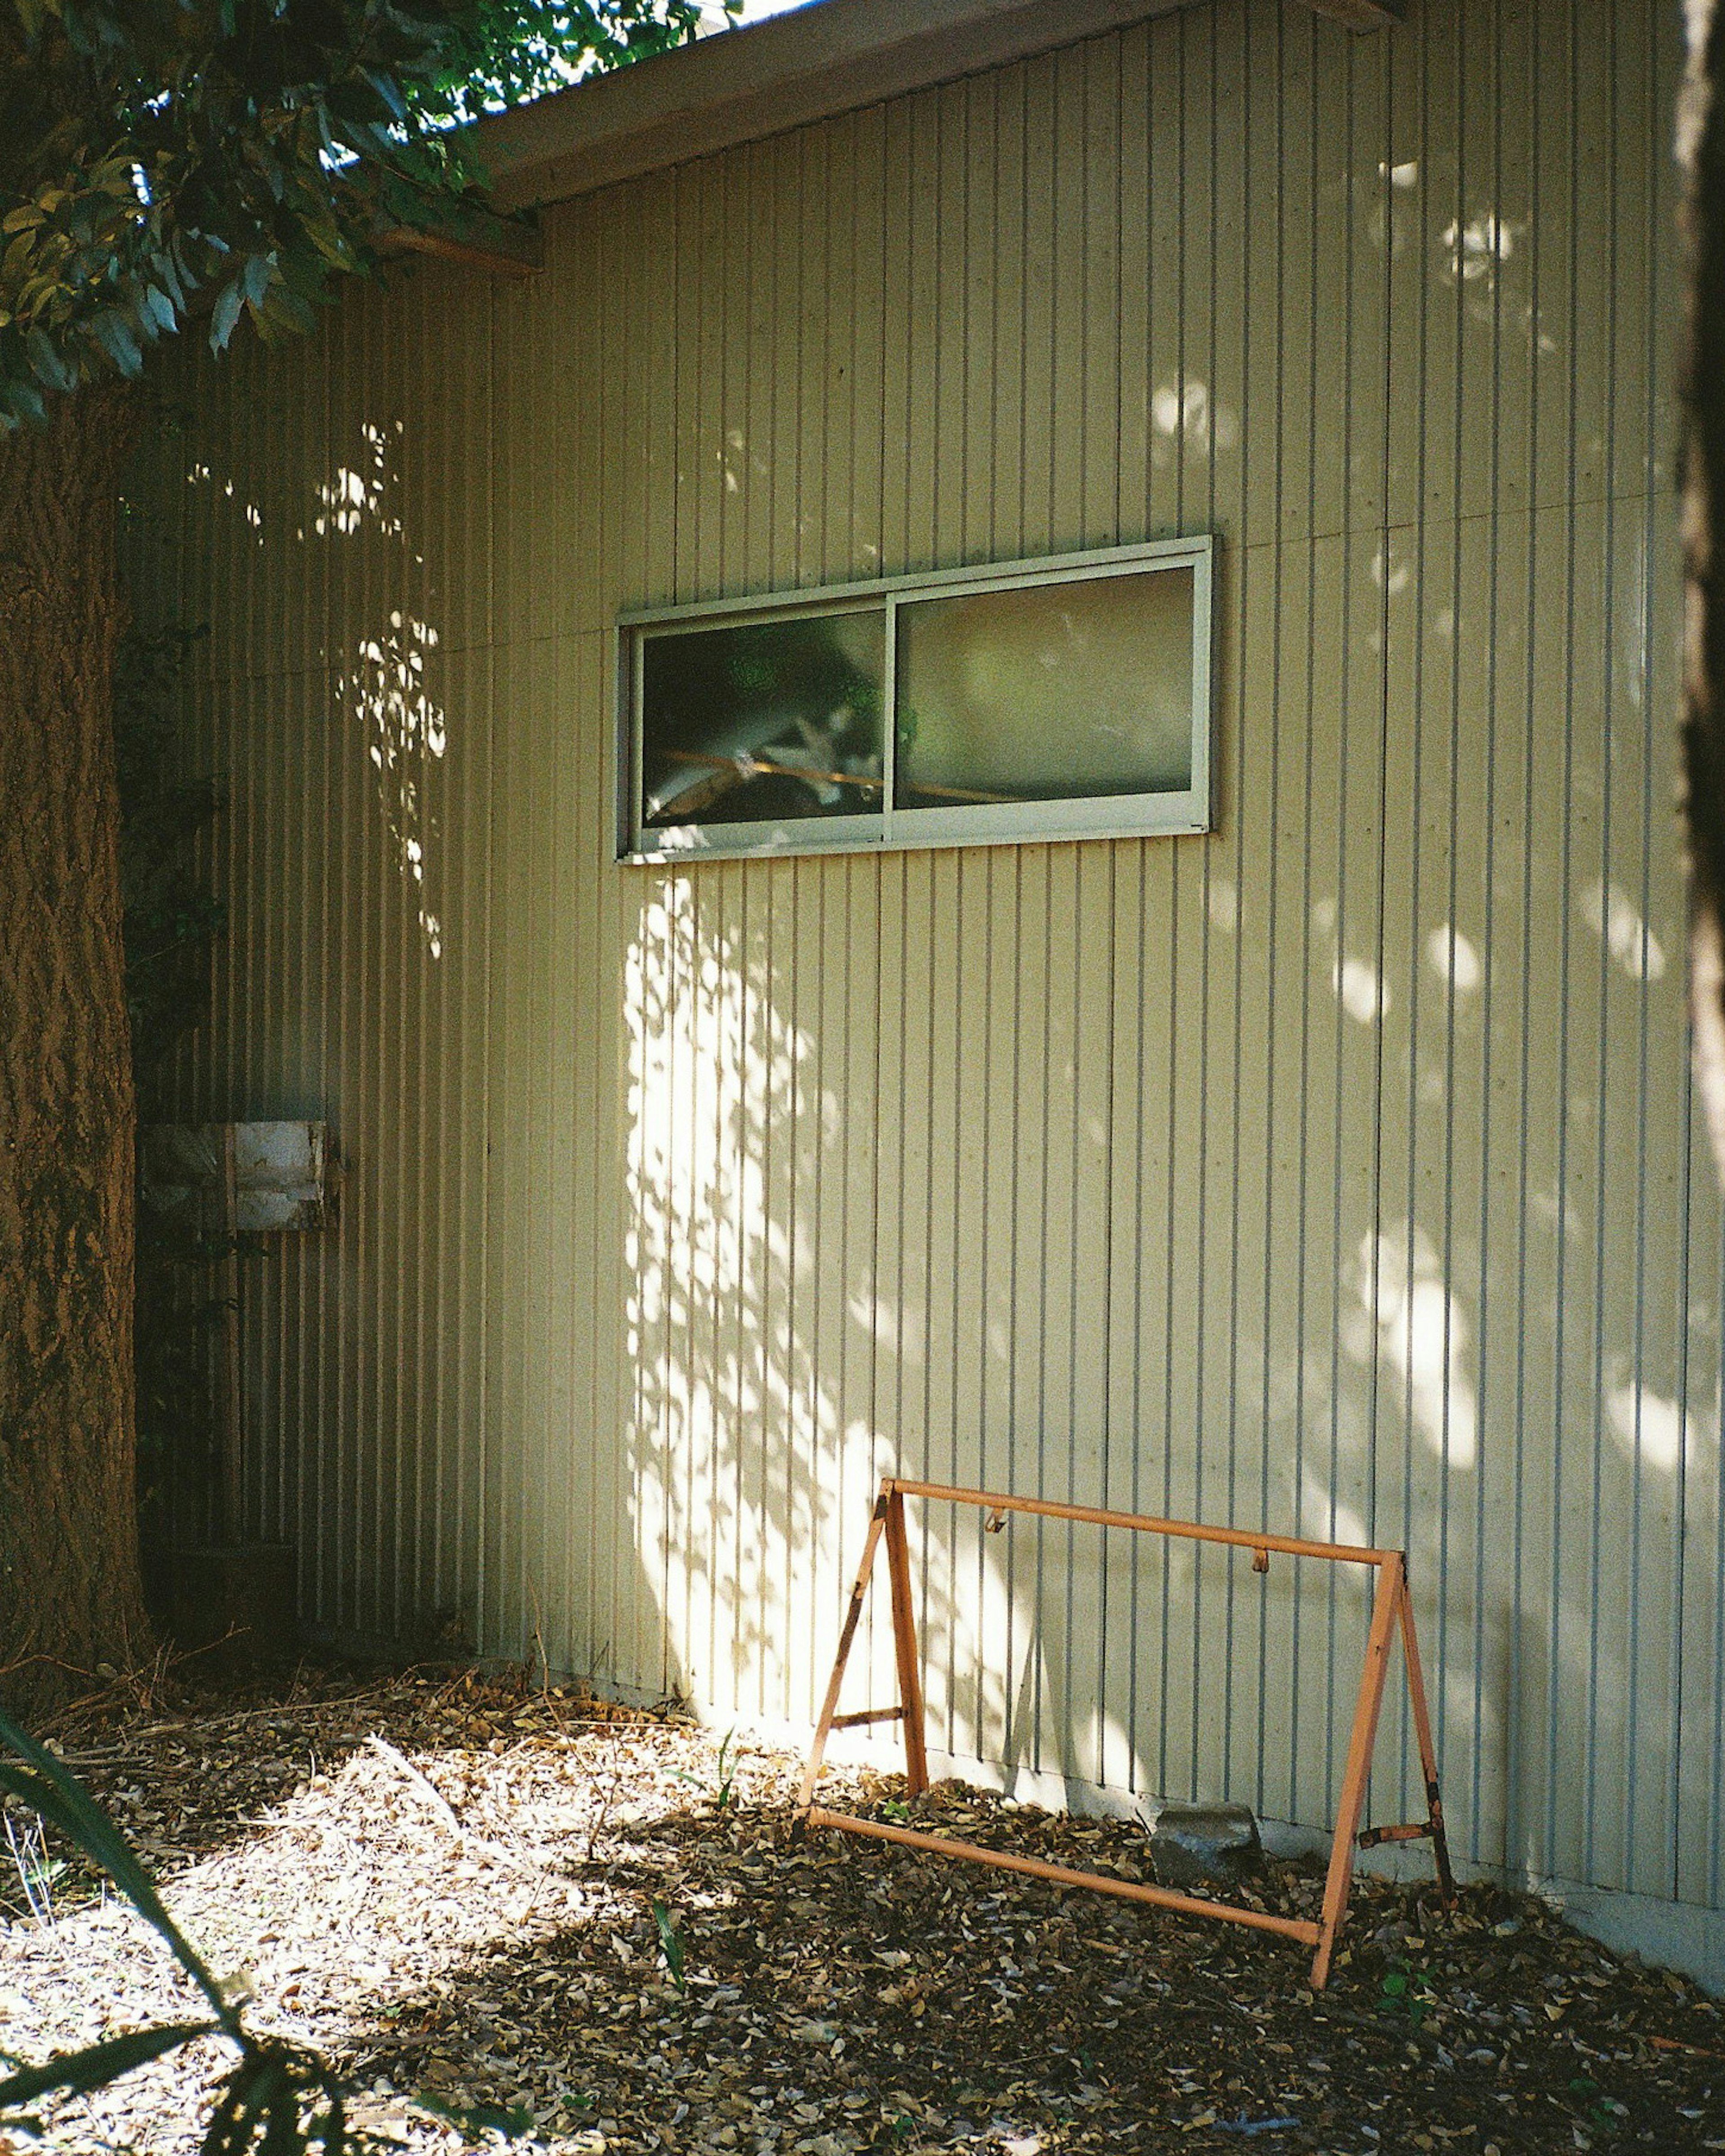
[(1701, 149), (70, 1591)]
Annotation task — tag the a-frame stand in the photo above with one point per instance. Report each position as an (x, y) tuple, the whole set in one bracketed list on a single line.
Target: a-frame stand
[(1391, 1610)]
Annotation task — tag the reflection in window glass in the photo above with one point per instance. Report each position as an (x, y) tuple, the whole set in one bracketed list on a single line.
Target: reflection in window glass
[(1049, 692), (770, 721)]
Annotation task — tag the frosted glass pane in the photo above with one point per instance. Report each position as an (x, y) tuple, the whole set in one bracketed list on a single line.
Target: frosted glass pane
[(770, 720), (1046, 692)]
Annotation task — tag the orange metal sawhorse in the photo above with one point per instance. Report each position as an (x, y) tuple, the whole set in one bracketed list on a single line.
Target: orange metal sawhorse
[(1391, 1607)]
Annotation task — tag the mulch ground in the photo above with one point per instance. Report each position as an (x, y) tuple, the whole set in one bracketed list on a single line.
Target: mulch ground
[(475, 1893)]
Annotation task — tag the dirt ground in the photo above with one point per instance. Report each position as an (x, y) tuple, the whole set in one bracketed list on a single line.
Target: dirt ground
[(467, 1892)]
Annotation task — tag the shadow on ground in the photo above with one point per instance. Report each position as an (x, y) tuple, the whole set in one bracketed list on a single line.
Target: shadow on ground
[(470, 1891)]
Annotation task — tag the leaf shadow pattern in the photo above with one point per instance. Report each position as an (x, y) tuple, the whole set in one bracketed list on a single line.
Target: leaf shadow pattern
[(834, 1997)]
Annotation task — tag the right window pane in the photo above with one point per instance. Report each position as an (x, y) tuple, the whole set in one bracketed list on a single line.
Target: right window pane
[(1046, 692)]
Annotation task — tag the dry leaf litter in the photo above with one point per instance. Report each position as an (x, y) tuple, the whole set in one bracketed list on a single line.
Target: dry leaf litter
[(490, 1893)]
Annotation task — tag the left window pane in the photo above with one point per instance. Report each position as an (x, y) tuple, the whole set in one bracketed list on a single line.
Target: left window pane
[(768, 721)]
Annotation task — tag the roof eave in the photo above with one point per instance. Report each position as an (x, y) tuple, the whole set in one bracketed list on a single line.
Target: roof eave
[(742, 85)]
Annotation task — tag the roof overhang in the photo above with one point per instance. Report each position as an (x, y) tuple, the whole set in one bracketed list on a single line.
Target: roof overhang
[(832, 57)]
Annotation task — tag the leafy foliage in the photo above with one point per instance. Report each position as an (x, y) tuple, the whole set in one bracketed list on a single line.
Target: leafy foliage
[(163, 160), (501, 53)]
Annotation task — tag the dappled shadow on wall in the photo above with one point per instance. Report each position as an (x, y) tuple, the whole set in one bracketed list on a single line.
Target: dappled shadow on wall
[(756, 1339), (381, 672), (770, 1363)]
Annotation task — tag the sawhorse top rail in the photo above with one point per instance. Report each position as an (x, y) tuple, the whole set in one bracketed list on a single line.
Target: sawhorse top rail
[(1392, 1608)]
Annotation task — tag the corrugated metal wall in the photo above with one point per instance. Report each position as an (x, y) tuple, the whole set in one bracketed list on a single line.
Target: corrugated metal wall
[(1334, 1173)]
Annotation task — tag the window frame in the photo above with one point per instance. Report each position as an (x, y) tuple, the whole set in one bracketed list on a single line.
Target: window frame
[(887, 829)]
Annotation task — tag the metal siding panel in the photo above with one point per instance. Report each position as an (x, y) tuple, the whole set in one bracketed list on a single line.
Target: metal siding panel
[(685, 1201), (1335, 1172), (960, 1380), (974, 303), (866, 331), (1094, 1555), (1284, 1389), (1164, 171), (1065, 180), (1098, 131), (508, 1148), (947, 970), (1244, 928), (1134, 191), (1039, 313), (832, 252)]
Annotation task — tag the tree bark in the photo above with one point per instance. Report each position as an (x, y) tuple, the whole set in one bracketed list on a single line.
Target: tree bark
[(69, 1591), (1701, 151)]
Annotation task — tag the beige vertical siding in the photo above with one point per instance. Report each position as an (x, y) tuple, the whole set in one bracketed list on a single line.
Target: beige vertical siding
[(1334, 1173)]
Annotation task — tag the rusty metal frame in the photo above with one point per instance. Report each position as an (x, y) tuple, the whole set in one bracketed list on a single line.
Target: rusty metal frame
[(1392, 1611)]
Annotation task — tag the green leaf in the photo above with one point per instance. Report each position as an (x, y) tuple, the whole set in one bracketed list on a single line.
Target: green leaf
[(98, 2064), (389, 90), (50, 363), (119, 339), (227, 314), (257, 277), (23, 400)]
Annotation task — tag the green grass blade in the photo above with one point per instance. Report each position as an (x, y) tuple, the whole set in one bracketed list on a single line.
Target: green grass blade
[(670, 1942), (98, 2064), (65, 1803)]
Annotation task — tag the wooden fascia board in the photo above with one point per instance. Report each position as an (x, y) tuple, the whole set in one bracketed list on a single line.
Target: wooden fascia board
[(466, 232), (742, 85), (1361, 14)]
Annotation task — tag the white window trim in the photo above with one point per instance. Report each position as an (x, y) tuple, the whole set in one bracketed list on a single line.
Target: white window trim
[(886, 830)]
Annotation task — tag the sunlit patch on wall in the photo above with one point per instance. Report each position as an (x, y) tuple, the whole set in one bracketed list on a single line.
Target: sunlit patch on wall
[(1360, 991), (1324, 1513), (747, 1449), (1355, 983), (1610, 913), (384, 685), (1653, 1431), (1479, 246), (1423, 1338), (353, 500), (1185, 414), (1453, 957)]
